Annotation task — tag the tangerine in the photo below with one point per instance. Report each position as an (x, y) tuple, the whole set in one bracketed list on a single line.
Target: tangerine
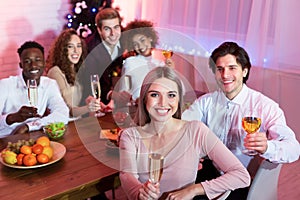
[(25, 149), (37, 148), (29, 160), (20, 158), (48, 151), (43, 140), (42, 158)]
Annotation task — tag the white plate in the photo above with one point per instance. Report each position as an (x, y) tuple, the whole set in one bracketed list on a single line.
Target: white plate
[(59, 150)]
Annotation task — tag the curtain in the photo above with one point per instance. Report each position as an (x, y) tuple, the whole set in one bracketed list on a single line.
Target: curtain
[(267, 29)]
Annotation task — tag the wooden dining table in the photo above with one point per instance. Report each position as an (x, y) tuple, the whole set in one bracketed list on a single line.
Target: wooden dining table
[(88, 168)]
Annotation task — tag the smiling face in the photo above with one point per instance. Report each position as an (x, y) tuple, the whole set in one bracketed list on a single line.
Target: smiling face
[(229, 75), (74, 49), (110, 31), (162, 99), (142, 44), (33, 64)]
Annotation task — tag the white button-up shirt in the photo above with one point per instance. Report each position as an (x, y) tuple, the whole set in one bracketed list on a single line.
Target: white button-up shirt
[(224, 118), (14, 95), (137, 67), (114, 53)]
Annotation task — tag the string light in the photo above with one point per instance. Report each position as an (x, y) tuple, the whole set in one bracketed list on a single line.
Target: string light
[(82, 18)]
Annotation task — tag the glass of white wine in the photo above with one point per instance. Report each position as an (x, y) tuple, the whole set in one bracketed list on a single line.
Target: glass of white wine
[(251, 124), (167, 53), (96, 89), (32, 92), (156, 162)]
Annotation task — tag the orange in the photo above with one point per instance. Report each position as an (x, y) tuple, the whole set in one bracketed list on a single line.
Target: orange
[(43, 140), (48, 151), (37, 148), (25, 149), (29, 160), (42, 158), (20, 159)]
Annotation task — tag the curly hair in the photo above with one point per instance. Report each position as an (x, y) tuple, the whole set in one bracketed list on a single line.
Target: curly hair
[(142, 27), (58, 55)]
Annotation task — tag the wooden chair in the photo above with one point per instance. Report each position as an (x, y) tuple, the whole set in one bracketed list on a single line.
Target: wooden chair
[(265, 182)]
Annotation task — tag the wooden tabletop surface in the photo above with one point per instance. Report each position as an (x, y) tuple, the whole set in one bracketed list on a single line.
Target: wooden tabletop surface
[(88, 167)]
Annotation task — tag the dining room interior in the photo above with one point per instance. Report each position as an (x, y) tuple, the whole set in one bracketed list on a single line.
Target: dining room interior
[(191, 29)]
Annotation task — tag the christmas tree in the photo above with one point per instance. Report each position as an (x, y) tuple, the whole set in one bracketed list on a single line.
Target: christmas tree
[(83, 15)]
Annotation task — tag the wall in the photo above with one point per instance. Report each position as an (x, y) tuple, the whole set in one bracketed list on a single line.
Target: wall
[(28, 20), (282, 87)]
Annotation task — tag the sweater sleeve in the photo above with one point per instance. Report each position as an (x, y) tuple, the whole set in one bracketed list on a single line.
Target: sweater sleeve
[(235, 175), (56, 74), (128, 166)]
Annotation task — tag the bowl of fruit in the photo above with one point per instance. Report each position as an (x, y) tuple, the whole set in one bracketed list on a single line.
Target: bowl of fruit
[(55, 130)]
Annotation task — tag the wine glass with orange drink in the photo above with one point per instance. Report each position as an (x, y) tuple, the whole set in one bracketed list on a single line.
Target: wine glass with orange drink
[(251, 124)]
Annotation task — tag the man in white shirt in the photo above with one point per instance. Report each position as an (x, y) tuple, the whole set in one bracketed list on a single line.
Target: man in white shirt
[(222, 111), (17, 115)]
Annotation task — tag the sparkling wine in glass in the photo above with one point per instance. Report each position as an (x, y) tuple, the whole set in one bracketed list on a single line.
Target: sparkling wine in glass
[(167, 53), (96, 91), (32, 92), (95, 85), (156, 162), (251, 125)]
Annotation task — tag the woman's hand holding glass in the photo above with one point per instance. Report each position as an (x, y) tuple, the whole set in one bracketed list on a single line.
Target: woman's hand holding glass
[(93, 104), (149, 191)]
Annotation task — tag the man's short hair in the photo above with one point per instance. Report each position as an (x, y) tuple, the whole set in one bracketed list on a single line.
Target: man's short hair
[(107, 13), (30, 44)]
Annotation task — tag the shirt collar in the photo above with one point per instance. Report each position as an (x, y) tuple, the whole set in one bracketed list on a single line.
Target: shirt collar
[(116, 47), (240, 97), (21, 83)]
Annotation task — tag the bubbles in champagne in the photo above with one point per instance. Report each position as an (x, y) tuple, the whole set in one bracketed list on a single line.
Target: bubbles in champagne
[(96, 89), (155, 167), (33, 96)]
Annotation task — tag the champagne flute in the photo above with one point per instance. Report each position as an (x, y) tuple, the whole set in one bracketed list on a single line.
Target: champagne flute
[(32, 92), (128, 87), (96, 89), (251, 124), (156, 162), (167, 53)]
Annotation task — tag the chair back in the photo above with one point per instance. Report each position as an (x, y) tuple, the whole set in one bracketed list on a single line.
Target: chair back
[(265, 182)]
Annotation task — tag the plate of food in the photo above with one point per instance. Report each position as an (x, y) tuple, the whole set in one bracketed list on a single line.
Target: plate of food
[(59, 151), (110, 134)]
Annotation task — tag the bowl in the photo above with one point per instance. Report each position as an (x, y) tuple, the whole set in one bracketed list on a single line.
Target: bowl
[(55, 130)]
